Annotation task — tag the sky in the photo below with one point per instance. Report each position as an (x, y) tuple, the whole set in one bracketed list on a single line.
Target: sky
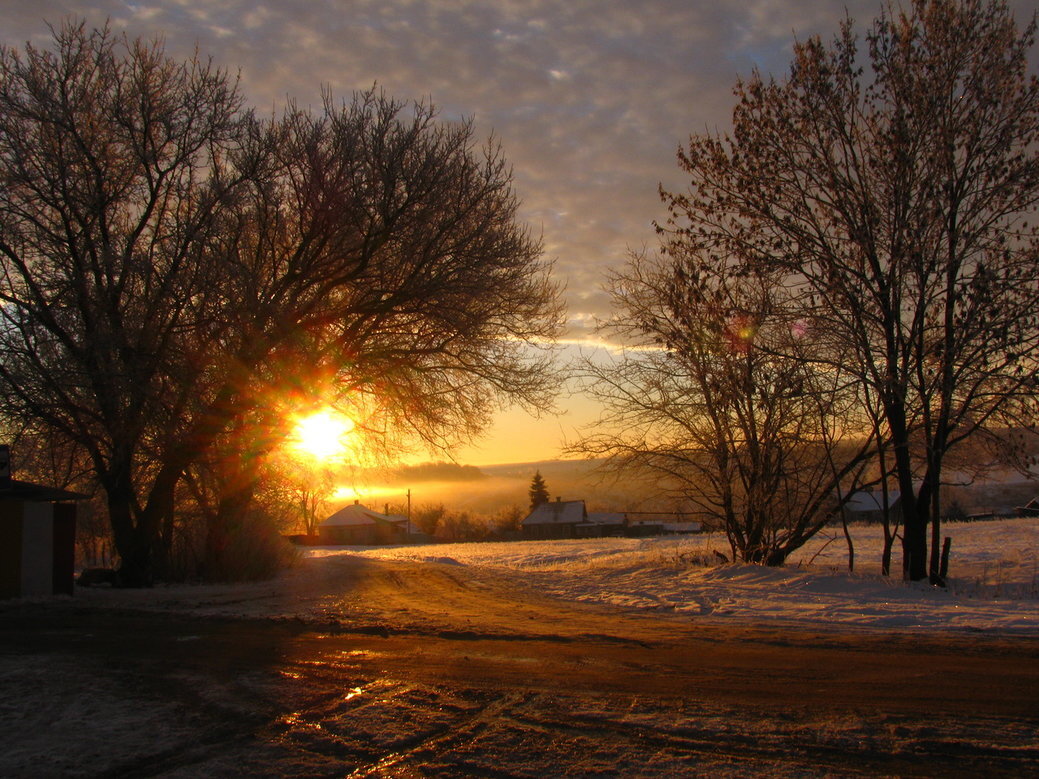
[(589, 98)]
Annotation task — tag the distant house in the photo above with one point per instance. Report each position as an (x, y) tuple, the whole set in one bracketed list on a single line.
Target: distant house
[(570, 519), (358, 525), (1030, 509), (868, 506), (555, 519)]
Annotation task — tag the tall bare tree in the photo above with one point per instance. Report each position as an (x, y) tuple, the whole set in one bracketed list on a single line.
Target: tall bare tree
[(382, 250), (111, 189), (175, 270), (713, 397), (894, 189)]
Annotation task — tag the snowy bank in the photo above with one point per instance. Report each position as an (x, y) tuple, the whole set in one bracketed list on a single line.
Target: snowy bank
[(993, 583)]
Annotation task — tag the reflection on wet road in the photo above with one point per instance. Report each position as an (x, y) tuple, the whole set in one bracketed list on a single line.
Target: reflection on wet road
[(416, 671)]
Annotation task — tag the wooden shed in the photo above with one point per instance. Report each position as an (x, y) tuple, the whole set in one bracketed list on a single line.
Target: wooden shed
[(37, 540)]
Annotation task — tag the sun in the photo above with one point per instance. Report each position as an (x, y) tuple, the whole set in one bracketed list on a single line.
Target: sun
[(322, 434)]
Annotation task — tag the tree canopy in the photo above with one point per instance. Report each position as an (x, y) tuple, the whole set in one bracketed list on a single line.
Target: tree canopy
[(891, 192), (176, 272)]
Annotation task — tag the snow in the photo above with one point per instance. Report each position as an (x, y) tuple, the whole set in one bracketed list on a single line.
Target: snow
[(326, 711), (993, 584)]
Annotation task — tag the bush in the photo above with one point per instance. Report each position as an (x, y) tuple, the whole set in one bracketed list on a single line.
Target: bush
[(252, 550)]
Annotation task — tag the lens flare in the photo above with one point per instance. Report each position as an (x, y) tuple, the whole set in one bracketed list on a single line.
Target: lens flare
[(322, 434)]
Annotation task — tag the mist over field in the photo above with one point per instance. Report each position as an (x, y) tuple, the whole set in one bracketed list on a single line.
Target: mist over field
[(491, 488)]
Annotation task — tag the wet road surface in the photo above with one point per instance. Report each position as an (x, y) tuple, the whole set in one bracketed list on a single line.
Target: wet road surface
[(425, 670)]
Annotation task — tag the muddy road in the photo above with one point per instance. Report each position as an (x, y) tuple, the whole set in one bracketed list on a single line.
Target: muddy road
[(397, 669)]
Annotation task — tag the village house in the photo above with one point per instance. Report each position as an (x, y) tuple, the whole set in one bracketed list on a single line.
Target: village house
[(358, 525), (570, 519), (555, 519), (868, 506)]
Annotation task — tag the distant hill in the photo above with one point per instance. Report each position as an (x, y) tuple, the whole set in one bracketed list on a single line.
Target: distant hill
[(434, 472)]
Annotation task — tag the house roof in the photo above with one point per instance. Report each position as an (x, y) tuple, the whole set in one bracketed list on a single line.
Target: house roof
[(25, 490), (606, 518), (871, 501), (356, 514), (557, 512)]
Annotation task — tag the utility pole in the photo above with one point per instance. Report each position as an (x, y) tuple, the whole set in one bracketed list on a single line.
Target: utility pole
[(409, 512)]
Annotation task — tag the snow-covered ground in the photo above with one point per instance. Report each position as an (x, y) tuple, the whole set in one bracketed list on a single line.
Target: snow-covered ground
[(352, 668), (993, 581), (993, 577)]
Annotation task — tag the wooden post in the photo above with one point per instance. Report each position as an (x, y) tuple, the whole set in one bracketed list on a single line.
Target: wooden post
[(943, 571)]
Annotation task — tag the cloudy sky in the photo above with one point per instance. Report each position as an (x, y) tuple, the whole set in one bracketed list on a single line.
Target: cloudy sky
[(590, 99)]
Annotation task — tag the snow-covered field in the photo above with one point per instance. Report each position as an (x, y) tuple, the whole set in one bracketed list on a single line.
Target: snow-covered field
[(993, 577), (993, 581)]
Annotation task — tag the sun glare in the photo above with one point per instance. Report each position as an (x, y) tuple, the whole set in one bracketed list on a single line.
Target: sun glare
[(322, 435)]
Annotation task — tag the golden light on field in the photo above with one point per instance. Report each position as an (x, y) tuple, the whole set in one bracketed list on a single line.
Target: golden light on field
[(323, 434)]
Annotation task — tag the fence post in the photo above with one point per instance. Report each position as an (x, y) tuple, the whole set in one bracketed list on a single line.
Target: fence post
[(943, 570)]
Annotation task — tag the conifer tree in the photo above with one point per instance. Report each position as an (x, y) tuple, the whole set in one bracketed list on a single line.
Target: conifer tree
[(538, 491)]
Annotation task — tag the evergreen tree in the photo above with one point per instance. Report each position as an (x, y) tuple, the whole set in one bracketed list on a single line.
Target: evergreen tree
[(538, 491)]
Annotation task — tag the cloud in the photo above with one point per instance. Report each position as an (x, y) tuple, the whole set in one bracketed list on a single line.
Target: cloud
[(590, 98)]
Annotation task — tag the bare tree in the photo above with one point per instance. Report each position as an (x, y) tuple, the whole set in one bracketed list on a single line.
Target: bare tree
[(108, 158), (708, 398), (895, 199), (175, 272), (381, 253)]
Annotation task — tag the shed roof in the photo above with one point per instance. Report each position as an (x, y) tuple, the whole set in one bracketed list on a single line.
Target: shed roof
[(25, 490), (872, 501)]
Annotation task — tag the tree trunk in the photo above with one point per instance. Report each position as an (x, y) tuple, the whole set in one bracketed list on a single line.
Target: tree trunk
[(914, 545), (889, 542), (238, 483), (847, 538), (936, 542), (131, 542), (915, 510), (130, 534), (943, 571)]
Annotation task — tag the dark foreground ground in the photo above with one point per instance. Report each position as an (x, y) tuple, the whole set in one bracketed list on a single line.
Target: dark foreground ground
[(436, 672)]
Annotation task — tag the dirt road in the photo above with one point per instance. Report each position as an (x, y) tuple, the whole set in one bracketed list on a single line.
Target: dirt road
[(436, 670)]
